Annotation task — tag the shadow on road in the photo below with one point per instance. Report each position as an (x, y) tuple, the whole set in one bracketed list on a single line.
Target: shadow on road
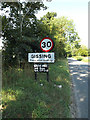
[(79, 75)]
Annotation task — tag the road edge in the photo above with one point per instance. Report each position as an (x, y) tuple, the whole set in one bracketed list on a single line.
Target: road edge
[(73, 107)]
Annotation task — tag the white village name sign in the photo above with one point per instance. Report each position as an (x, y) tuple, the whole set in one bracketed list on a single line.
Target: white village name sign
[(41, 57)]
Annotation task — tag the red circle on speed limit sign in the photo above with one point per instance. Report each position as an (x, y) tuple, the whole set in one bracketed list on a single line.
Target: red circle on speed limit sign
[(46, 44)]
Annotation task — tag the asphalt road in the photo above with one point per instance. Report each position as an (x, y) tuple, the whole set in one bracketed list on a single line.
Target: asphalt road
[(79, 75)]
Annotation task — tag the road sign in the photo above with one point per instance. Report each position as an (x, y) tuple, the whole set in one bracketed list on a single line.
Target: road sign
[(40, 68), (46, 44), (41, 57)]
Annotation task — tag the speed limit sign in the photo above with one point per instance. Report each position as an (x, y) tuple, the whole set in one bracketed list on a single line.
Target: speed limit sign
[(46, 44)]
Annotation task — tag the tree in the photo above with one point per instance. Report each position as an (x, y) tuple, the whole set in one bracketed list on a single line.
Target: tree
[(83, 51), (19, 29), (66, 37), (47, 25)]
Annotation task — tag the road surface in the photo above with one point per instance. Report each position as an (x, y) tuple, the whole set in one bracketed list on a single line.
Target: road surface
[(79, 76)]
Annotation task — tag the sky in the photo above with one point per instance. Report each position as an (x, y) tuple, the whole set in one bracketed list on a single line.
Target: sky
[(73, 9)]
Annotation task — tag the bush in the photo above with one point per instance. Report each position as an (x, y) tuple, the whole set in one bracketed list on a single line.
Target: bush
[(70, 55), (79, 59)]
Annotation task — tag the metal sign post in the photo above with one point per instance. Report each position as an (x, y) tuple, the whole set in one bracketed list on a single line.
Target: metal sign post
[(48, 74), (36, 76)]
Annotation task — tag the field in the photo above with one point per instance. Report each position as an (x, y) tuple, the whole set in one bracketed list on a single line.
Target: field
[(23, 97)]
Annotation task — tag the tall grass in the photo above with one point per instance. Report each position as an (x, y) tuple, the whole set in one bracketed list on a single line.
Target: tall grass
[(23, 97)]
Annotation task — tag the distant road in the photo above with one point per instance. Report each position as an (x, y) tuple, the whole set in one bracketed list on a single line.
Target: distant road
[(79, 75)]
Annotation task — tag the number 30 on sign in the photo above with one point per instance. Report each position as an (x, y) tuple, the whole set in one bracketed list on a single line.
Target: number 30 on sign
[(46, 44)]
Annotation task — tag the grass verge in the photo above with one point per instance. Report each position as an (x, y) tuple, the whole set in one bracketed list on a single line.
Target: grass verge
[(22, 97), (81, 58)]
